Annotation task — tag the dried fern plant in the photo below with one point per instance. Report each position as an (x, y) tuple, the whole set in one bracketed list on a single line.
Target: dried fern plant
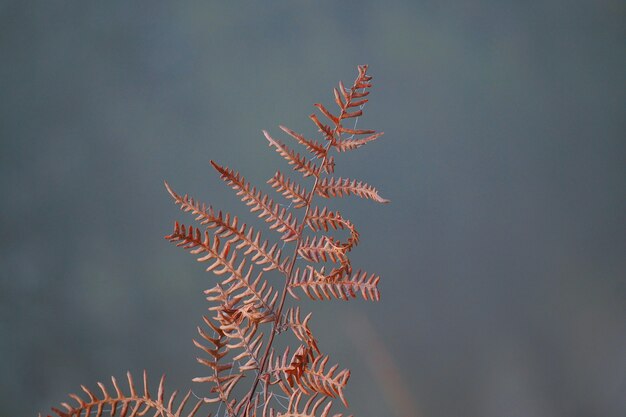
[(246, 312)]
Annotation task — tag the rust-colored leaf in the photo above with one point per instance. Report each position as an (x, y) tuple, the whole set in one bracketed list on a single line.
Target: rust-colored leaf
[(228, 228), (290, 189), (345, 145), (280, 219), (339, 187), (300, 164), (319, 286), (312, 146), (121, 403)]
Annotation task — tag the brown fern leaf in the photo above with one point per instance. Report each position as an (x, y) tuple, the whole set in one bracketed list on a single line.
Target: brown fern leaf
[(336, 274), (280, 219), (298, 365), (363, 79), (338, 99), (337, 119), (300, 328), (133, 404), (338, 187), (239, 323), (312, 146), (258, 295), (322, 249), (346, 100), (287, 370), (345, 145), (218, 349), (237, 280), (300, 164), (324, 219), (249, 342), (290, 189), (235, 307), (310, 408), (349, 95), (328, 114), (326, 130), (238, 306), (275, 365), (229, 228), (222, 385), (329, 165), (328, 383), (299, 373), (318, 286)]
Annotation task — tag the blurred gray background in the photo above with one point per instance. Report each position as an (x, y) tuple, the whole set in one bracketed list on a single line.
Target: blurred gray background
[(503, 253)]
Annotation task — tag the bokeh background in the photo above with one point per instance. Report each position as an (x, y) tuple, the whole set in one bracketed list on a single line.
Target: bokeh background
[(503, 253)]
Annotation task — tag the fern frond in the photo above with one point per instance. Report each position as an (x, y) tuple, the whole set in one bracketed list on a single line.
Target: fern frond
[(318, 286), (239, 322), (191, 238), (310, 408), (280, 218), (345, 145), (218, 349), (328, 114), (338, 187), (338, 99), (312, 146), (288, 370), (351, 94), (300, 328), (239, 305), (229, 228), (324, 219), (242, 335), (299, 163), (222, 385), (322, 249), (346, 100), (299, 373), (257, 296), (353, 132), (329, 383), (329, 165), (290, 189), (344, 114), (326, 130), (131, 404)]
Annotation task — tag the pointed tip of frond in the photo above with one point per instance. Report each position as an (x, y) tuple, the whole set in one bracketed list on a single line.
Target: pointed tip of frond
[(217, 166), (223, 170), (170, 190), (270, 139)]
